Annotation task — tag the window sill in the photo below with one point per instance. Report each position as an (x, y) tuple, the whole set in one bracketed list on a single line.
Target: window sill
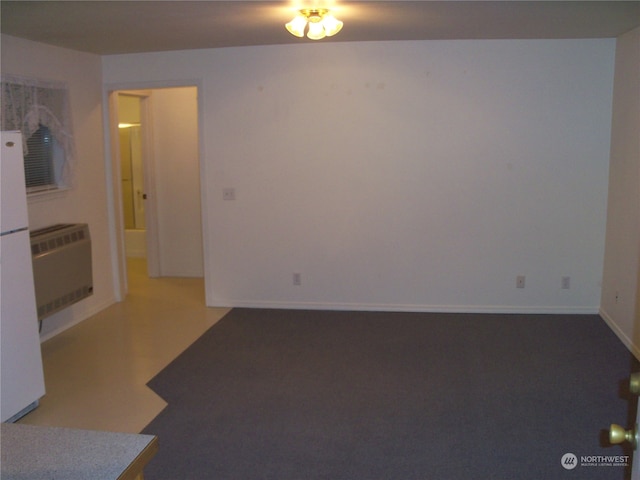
[(45, 195)]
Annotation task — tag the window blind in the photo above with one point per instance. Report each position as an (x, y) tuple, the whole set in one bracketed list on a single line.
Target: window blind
[(38, 163)]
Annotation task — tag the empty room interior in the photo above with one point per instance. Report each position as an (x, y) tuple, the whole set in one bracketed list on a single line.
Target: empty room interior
[(470, 170)]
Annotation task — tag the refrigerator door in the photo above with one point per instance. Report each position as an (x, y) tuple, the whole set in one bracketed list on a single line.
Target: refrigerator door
[(13, 204), (21, 373)]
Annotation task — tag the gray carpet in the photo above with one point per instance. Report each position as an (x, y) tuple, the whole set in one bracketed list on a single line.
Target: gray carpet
[(285, 394)]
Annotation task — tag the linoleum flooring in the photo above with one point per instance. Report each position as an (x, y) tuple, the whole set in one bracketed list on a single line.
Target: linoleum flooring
[(96, 372)]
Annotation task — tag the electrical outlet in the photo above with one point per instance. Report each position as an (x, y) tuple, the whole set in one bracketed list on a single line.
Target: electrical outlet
[(228, 193), (520, 281), (566, 283), (297, 279)]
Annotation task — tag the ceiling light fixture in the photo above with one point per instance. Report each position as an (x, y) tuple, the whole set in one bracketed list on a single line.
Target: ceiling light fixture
[(321, 24)]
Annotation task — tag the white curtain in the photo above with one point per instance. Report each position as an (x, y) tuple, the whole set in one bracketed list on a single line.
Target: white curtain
[(28, 103)]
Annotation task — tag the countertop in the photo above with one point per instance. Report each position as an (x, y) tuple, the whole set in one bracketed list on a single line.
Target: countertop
[(52, 453)]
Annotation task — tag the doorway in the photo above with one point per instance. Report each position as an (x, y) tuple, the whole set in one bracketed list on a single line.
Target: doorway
[(156, 177), (132, 175)]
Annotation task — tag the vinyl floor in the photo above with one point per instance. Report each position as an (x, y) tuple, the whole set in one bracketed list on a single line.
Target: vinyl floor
[(96, 372)]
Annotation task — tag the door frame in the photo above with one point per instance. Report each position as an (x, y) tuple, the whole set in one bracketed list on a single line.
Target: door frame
[(114, 188)]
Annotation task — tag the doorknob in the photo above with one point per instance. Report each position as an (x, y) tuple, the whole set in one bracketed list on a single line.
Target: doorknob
[(634, 383), (618, 434)]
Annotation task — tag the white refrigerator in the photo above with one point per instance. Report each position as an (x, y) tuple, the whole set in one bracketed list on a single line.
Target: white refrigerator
[(21, 373)]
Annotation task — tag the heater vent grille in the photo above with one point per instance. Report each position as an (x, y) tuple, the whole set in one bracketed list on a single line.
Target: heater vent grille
[(62, 270)]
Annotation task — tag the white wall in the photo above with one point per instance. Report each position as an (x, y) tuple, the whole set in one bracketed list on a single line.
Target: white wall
[(620, 304), (401, 175), (407, 175), (177, 178), (86, 201)]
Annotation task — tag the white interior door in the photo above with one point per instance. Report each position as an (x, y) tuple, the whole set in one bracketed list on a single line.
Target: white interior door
[(620, 434)]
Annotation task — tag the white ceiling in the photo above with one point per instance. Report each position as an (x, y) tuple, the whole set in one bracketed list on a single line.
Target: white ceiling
[(113, 27)]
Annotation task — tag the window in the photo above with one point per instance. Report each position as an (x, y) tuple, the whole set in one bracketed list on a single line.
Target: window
[(43, 162), (40, 110)]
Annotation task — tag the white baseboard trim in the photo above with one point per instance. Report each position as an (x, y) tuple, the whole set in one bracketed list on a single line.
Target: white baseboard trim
[(624, 338), (76, 318), (409, 308)]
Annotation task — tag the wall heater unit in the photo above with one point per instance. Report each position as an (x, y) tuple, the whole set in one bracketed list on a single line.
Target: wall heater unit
[(61, 266)]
